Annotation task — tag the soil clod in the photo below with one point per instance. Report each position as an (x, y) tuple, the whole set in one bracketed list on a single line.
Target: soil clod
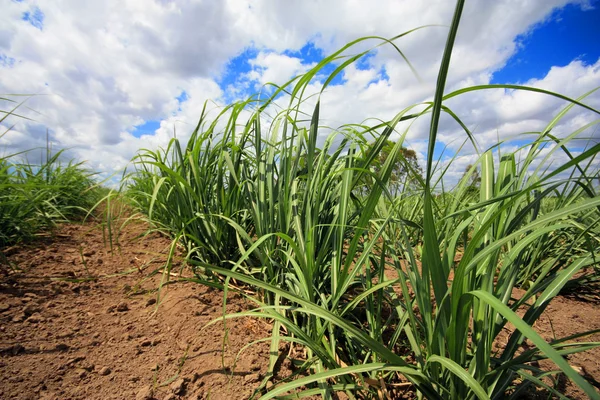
[(62, 347), (104, 371), (178, 387), (145, 393)]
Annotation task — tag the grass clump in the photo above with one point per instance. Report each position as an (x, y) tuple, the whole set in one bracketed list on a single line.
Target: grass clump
[(400, 285), (35, 197)]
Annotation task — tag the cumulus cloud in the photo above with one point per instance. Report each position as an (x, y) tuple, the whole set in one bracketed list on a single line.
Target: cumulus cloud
[(275, 68), (103, 68)]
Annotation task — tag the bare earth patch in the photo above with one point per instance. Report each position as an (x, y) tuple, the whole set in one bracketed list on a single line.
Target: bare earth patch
[(104, 338)]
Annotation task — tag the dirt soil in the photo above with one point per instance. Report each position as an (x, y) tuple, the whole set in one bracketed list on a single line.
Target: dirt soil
[(566, 316), (77, 322), (73, 325)]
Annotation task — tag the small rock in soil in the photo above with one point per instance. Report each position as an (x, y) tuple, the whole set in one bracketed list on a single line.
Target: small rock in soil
[(62, 347), (81, 373), (145, 342), (122, 307), (35, 318), (64, 334), (72, 361), (31, 309), (178, 387), (19, 317), (104, 371), (6, 306), (183, 345), (144, 393), (89, 367), (251, 378), (150, 301)]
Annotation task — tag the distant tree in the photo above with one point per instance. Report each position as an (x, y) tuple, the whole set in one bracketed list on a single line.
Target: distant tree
[(474, 179), (405, 170)]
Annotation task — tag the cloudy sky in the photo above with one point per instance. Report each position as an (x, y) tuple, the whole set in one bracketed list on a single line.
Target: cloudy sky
[(111, 76)]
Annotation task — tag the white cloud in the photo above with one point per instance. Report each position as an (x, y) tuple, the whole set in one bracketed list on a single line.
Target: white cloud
[(105, 67), (276, 68), (499, 113)]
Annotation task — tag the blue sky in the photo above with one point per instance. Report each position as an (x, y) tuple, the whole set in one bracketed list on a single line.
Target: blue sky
[(120, 75), (567, 34), (570, 33), (35, 17)]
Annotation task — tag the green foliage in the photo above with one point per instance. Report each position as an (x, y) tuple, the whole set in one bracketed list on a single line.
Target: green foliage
[(368, 283), (406, 172), (34, 198)]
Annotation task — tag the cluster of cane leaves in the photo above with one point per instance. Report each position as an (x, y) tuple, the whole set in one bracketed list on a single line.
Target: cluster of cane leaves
[(366, 282), (35, 197)]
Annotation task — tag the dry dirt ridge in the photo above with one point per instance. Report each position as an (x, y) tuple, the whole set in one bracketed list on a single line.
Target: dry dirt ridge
[(73, 325)]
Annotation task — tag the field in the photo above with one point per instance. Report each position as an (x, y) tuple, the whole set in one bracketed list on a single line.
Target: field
[(258, 259)]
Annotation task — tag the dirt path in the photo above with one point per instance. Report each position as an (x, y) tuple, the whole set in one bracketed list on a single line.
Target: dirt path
[(105, 339)]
